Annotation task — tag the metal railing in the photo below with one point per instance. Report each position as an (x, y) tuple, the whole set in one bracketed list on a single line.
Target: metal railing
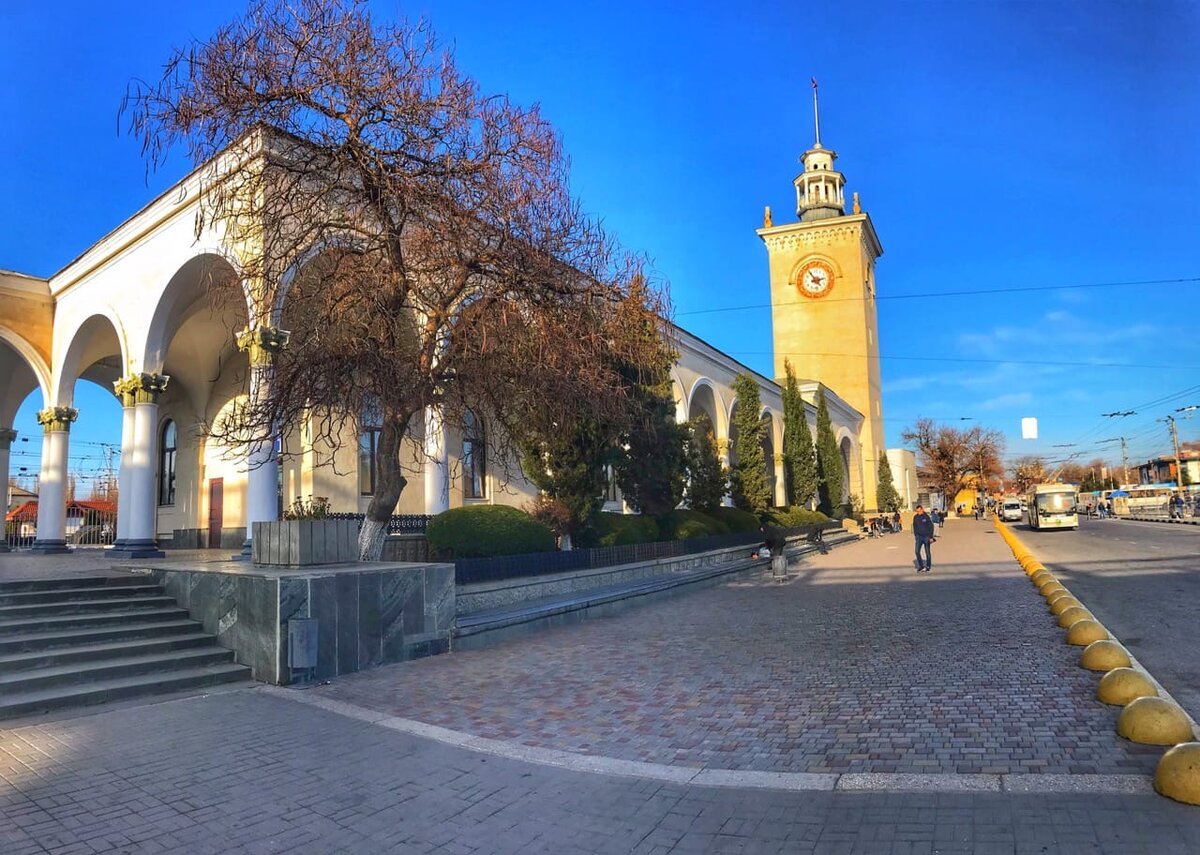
[(399, 523)]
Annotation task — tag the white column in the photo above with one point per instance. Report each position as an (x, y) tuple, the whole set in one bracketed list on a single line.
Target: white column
[(262, 466), (7, 435), (52, 485), (123, 389), (139, 460), (437, 463), (780, 482)]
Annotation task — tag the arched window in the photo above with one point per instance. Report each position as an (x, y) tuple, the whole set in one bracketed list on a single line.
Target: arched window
[(166, 464), (474, 458), (368, 446)]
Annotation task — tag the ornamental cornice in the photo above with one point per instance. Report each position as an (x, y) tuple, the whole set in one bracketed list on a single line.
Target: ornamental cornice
[(262, 343), (809, 238), (54, 419)]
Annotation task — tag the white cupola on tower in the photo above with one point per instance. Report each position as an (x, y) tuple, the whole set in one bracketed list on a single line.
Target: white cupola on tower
[(819, 188)]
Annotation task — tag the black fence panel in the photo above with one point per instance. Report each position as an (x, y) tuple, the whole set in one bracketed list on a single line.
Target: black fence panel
[(475, 570)]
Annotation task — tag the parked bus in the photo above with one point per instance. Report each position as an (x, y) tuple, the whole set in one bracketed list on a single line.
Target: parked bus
[(1053, 506)]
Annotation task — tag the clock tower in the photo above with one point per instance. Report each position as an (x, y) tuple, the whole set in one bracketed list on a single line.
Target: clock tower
[(823, 312)]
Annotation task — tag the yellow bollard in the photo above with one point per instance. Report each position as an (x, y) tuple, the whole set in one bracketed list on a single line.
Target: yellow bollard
[(1061, 604), (1050, 588), (1104, 655), (1074, 613), (1122, 685), (1154, 721), (1083, 632), (1178, 773)]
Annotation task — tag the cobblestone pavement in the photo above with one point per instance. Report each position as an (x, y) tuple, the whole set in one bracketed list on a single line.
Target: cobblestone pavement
[(245, 772), (857, 665)]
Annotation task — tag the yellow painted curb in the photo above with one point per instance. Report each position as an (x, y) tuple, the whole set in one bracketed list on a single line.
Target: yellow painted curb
[(1051, 599), (1084, 632), (1041, 577), (1123, 685), (1154, 721), (1104, 655), (1074, 613), (1178, 773)]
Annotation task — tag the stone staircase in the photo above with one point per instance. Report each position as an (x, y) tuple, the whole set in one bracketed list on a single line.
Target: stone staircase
[(69, 642)]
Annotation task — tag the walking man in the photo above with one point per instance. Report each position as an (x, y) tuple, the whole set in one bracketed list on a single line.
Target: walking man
[(923, 534), (776, 542)]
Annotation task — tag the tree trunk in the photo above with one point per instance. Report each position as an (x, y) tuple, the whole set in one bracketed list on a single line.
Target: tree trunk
[(389, 484)]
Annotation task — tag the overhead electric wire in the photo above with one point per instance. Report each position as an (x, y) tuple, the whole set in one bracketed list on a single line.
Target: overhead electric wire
[(975, 292), (881, 357)]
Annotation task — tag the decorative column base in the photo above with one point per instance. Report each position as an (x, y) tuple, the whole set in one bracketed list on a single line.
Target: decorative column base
[(247, 553), (136, 549), (49, 547)]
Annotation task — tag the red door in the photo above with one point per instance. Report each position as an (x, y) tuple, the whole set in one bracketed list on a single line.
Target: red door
[(216, 511)]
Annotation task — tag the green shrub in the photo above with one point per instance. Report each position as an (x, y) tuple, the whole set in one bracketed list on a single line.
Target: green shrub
[(794, 517), (623, 529), (682, 524), (481, 531), (736, 520)]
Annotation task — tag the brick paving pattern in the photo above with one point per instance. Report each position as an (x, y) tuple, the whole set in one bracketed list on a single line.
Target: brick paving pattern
[(243, 772), (858, 665)]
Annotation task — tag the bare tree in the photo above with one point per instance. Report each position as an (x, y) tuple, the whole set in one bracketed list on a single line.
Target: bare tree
[(417, 237), (1026, 471), (953, 458)]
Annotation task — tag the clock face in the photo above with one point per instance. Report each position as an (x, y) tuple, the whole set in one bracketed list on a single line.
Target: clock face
[(815, 279)]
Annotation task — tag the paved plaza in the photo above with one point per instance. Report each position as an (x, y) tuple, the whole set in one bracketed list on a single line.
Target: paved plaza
[(756, 707), (856, 665)]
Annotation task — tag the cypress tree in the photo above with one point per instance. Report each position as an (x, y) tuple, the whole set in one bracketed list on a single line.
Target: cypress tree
[(799, 457), (829, 459), (886, 497), (707, 478), (748, 480)]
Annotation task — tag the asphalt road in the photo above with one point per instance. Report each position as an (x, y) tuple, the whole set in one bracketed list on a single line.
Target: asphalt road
[(1142, 580)]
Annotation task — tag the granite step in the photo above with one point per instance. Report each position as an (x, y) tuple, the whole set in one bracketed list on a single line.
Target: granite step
[(102, 691), (80, 607), (116, 667), (26, 625), (71, 637), (51, 657), (89, 592), (26, 585)]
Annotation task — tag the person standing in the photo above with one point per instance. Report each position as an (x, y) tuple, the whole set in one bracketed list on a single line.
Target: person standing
[(923, 534), (774, 540)]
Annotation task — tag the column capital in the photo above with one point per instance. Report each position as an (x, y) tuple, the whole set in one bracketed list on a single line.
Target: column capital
[(140, 388), (57, 418), (262, 343), (7, 437)]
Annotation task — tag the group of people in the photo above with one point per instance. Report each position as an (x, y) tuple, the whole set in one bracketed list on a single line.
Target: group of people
[(1101, 510)]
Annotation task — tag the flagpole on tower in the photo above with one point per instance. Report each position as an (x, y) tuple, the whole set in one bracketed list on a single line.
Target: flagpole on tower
[(816, 115)]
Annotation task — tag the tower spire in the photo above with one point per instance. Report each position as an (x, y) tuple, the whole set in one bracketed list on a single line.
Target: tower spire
[(816, 114)]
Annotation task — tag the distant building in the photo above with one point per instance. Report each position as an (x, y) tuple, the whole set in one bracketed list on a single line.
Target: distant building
[(1161, 470)]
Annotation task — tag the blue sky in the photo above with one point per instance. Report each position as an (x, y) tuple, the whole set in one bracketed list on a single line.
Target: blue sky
[(995, 145)]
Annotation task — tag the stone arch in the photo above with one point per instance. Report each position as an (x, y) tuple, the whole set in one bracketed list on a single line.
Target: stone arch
[(96, 338), (705, 397), (680, 396), (187, 287), (312, 252), (36, 365)]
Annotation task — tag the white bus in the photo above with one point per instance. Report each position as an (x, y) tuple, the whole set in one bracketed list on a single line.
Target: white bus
[(1053, 506)]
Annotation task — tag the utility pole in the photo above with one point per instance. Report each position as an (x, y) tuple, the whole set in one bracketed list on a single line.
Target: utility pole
[(1170, 420), (1124, 456)]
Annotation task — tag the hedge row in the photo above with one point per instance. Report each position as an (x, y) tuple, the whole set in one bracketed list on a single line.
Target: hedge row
[(484, 531)]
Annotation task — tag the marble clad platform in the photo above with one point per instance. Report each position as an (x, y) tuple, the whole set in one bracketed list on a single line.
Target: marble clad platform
[(368, 614)]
